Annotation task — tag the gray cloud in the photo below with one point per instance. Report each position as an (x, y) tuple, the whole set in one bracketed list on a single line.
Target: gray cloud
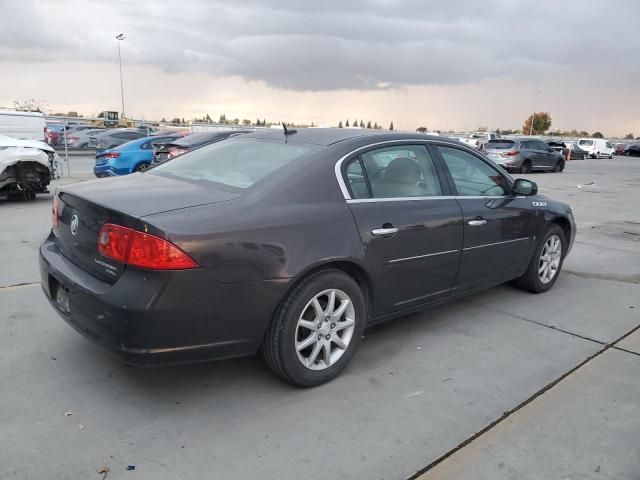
[(330, 45)]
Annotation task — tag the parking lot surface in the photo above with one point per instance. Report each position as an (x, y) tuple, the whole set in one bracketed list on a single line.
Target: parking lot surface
[(503, 384)]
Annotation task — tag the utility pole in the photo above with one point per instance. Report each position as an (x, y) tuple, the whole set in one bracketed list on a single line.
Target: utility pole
[(119, 38), (533, 117)]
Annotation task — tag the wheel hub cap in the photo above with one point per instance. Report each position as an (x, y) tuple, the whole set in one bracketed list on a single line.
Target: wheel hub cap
[(325, 329), (550, 257)]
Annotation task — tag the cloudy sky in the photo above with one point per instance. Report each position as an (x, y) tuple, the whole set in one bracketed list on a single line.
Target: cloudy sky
[(443, 64)]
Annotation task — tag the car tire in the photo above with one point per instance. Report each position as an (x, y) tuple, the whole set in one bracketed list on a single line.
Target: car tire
[(559, 166), (533, 280), (611, 156), (295, 344), (526, 167), (141, 167), (585, 156)]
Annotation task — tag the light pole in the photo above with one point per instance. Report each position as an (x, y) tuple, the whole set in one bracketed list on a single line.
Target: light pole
[(533, 117), (119, 38)]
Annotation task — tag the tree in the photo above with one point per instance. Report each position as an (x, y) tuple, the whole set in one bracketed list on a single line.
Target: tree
[(369, 124), (421, 129), (355, 123), (175, 120), (246, 121), (628, 136), (223, 118), (541, 123), (498, 131), (208, 118), (340, 124), (361, 124), (391, 126), (29, 105), (163, 120), (347, 124), (183, 120), (375, 126), (236, 121), (597, 135)]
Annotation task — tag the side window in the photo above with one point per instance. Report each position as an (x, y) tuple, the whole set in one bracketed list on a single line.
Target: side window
[(609, 145), (526, 145), (395, 172), (472, 176), (356, 179)]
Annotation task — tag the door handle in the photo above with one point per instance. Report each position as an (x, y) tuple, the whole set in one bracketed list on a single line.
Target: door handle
[(477, 222), (384, 231)]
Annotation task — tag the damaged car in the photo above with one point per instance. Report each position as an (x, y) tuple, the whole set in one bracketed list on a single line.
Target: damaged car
[(26, 167)]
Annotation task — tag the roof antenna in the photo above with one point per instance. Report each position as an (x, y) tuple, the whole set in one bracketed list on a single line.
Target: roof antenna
[(287, 131)]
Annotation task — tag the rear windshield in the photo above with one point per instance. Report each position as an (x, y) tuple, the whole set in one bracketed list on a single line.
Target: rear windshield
[(586, 142), (198, 138), (499, 144), (235, 163)]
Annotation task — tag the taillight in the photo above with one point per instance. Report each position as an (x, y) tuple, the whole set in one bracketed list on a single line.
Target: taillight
[(110, 155), (177, 151), (140, 249), (73, 139), (512, 153), (55, 211)]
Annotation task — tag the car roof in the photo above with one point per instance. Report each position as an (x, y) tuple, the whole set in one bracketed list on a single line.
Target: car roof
[(330, 136)]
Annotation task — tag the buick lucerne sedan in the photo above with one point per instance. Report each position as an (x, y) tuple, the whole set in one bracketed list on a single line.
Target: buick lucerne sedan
[(291, 243)]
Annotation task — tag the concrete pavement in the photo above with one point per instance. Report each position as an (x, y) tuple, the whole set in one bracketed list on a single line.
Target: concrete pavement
[(418, 389)]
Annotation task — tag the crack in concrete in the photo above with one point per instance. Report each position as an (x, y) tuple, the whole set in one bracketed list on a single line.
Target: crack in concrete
[(521, 405)]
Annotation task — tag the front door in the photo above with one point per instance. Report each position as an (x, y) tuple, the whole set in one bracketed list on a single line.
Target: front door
[(410, 226), (498, 228)]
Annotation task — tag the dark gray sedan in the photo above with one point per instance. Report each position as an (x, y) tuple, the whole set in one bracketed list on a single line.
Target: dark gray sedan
[(291, 243), (115, 137), (524, 155)]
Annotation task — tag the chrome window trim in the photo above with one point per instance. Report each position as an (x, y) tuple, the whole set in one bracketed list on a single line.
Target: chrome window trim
[(420, 141), (496, 243), (413, 199), (406, 259)]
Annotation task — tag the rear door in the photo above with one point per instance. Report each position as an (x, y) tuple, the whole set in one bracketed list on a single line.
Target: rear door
[(498, 228), (410, 226), (547, 157)]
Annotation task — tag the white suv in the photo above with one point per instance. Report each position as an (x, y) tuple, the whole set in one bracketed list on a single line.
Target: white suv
[(597, 147)]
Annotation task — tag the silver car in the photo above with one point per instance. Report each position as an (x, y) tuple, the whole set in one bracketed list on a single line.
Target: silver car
[(80, 138), (523, 155)]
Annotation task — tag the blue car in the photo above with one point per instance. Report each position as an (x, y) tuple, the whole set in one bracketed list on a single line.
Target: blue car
[(134, 156)]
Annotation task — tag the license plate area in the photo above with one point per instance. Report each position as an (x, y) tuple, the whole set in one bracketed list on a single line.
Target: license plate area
[(60, 294)]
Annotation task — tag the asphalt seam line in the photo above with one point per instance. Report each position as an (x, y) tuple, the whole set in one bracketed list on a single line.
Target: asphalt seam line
[(19, 285), (627, 351), (523, 404), (552, 327)]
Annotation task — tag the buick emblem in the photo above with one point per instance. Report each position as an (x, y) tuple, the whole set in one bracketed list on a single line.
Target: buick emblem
[(74, 225)]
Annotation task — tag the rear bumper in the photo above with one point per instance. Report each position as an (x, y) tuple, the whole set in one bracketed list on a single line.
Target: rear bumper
[(161, 318)]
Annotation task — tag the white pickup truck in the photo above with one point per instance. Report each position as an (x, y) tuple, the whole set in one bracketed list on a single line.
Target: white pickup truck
[(478, 139)]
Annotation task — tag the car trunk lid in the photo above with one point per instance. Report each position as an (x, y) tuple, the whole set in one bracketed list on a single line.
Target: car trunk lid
[(84, 208)]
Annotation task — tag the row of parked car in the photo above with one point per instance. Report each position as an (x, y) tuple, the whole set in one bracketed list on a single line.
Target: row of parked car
[(123, 156), (526, 154), (124, 151)]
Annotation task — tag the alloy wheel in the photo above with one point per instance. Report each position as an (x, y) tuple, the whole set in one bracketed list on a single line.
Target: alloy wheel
[(325, 329), (550, 259)]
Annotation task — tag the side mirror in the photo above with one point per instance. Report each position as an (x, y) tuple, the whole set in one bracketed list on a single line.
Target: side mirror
[(524, 187)]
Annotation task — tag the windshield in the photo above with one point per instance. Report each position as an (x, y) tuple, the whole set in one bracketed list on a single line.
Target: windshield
[(236, 163), (499, 144), (586, 143)]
